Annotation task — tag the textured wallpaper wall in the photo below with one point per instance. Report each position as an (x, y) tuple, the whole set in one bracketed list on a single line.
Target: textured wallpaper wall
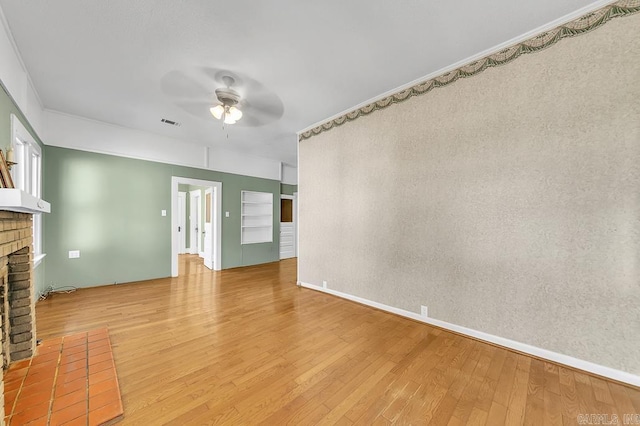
[(508, 202)]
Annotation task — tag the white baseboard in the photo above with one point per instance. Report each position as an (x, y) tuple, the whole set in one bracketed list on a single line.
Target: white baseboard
[(201, 254), (590, 367)]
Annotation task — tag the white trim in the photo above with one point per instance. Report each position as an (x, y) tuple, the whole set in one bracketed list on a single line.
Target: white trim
[(17, 200), (591, 367), (209, 262), (117, 153), (19, 131), (175, 180), (72, 131), (25, 197), (16, 51), (295, 219), (495, 49), (297, 209), (37, 259), (201, 254)]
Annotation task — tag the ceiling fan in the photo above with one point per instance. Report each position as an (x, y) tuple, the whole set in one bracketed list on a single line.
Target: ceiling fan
[(238, 98), (227, 110)]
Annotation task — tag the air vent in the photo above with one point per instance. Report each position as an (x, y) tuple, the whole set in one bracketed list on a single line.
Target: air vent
[(171, 122)]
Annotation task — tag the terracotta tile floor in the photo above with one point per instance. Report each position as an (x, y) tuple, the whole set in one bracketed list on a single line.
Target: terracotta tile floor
[(70, 381)]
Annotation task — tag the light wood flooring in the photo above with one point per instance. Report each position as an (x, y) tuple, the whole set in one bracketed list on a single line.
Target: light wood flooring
[(247, 346)]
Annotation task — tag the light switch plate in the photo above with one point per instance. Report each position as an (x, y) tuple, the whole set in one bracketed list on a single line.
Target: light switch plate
[(226, 214), (74, 254), (163, 212)]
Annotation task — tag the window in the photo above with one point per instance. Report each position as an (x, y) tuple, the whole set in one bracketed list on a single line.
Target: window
[(27, 174)]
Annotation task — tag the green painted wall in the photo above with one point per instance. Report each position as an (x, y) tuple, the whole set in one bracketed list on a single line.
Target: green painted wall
[(287, 189), (109, 208), (8, 107)]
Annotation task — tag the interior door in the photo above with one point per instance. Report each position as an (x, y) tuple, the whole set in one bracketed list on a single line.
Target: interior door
[(287, 228), (194, 220), (182, 233), (208, 228)]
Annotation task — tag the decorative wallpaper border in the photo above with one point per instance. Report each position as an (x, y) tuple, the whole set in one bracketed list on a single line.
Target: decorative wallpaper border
[(574, 28)]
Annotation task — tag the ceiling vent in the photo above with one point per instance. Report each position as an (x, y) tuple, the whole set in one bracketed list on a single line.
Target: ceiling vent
[(171, 122)]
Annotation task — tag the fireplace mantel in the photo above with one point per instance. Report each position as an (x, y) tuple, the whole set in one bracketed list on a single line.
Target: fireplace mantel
[(16, 200)]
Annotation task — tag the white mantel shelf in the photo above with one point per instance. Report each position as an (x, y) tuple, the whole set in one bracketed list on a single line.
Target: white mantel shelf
[(16, 200)]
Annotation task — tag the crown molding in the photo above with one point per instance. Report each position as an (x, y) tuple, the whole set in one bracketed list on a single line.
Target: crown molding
[(14, 46), (542, 39)]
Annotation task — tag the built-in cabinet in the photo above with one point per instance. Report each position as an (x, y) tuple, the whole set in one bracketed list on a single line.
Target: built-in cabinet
[(257, 217), (287, 227)]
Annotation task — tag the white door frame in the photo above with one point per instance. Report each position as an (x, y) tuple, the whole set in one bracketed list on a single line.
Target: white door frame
[(217, 226), (195, 219), (182, 221), (210, 194)]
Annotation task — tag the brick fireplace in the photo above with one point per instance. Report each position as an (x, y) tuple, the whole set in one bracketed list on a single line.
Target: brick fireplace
[(17, 304)]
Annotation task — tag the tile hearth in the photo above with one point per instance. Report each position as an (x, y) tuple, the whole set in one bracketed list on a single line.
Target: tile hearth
[(71, 380)]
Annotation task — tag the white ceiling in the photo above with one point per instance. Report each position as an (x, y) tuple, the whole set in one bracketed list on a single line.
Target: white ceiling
[(132, 63)]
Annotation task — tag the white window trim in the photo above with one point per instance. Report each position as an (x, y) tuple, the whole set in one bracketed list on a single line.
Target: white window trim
[(19, 132), (37, 259)]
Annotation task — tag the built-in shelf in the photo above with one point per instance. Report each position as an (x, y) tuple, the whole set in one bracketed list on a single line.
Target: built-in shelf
[(257, 217), (16, 200)]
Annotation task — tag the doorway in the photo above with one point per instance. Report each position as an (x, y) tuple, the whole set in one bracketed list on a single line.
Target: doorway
[(213, 205)]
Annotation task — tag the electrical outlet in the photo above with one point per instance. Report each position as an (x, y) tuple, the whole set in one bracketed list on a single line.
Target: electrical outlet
[(424, 311), (74, 254), (324, 284)]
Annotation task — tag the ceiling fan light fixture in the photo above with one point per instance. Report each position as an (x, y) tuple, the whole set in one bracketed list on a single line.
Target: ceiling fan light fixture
[(235, 113), (226, 113), (217, 111), (229, 98)]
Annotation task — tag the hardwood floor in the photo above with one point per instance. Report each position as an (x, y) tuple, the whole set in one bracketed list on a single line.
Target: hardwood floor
[(247, 346)]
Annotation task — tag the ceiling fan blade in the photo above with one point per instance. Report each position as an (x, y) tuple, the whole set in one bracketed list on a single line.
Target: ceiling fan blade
[(197, 108), (177, 84), (261, 106), (255, 115)]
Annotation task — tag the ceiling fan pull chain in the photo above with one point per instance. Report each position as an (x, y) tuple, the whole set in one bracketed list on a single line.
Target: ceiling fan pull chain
[(224, 128)]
